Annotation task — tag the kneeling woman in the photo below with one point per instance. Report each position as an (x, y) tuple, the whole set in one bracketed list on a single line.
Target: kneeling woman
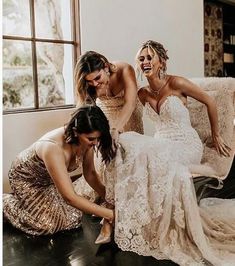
[(44, 200)]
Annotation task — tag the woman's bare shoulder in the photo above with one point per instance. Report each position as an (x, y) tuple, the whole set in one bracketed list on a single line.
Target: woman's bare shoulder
[(120, 63), (143, 94), (177, 81), (123, 66)]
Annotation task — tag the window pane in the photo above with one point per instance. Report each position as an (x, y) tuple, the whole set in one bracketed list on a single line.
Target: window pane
[(55, 74), (18, 91), (53, 19), (16, 18)]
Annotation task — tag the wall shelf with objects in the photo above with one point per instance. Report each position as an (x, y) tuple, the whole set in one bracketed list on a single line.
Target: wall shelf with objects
[(219, 38), (229, 40)]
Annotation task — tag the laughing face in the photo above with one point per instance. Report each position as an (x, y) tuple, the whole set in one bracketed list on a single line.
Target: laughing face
[(149, 62)]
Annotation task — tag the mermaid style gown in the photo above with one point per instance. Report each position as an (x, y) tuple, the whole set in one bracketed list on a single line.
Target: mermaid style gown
[(35, 206), (155, 204)]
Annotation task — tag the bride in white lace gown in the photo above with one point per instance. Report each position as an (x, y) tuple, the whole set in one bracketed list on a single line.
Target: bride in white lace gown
[(150, 180)]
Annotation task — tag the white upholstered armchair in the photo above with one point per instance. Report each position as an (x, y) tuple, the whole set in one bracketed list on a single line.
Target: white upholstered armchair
[(223, 91)]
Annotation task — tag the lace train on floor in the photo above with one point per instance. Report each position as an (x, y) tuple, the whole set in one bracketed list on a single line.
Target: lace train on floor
[(156, 208)]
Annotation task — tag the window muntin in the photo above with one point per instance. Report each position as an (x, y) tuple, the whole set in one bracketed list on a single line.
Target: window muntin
[(38, 69)]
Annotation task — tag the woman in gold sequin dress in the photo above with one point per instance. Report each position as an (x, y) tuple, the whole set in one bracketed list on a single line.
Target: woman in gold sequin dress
[(113, 87), (44, 199)]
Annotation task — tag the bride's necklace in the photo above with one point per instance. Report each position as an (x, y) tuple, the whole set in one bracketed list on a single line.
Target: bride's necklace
[(157, 92)]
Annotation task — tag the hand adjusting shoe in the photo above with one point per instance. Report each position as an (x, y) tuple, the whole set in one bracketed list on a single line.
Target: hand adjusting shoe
[(105, 234)]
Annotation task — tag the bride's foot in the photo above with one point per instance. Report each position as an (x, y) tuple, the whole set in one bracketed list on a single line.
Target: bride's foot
[(105, 233)]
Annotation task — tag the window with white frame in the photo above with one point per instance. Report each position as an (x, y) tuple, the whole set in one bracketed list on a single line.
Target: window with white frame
[(40, 48)]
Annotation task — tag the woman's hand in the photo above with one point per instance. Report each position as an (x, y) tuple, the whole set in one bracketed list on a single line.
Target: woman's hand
[(111, 214), (221, 147), (111, 218), (115, 136)]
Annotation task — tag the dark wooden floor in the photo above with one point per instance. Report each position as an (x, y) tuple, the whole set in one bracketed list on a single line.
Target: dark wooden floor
[(77, 248)]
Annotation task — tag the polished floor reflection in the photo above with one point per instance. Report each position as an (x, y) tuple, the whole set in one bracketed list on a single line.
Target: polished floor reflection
[(77, 248)]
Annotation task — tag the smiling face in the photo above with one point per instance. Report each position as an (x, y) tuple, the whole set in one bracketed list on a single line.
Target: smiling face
[(98, 79), (149, 62)]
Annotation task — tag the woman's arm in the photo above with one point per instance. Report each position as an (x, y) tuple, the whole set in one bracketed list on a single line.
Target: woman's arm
[(142, 95), (91, 175), (130, 96), (54, 159), (188, 88)]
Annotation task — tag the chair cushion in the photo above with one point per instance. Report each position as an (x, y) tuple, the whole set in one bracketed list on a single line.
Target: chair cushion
[(223, 92)]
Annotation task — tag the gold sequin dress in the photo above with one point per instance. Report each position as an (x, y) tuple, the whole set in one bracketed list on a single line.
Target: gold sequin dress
[(112, 107), (35, 206)]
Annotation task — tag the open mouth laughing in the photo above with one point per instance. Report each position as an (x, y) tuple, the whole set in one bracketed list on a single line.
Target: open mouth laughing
[(146, 69)]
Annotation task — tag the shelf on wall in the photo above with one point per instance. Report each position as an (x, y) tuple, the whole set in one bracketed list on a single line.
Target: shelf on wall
[(219, 38), (229, 36), (229, 44), (229, 24)]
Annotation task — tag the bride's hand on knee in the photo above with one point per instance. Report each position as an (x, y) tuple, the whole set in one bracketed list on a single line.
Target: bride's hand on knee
[(221, 147)]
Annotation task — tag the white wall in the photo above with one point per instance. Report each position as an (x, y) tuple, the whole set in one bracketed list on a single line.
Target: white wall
[(116, 28), (21, 130)]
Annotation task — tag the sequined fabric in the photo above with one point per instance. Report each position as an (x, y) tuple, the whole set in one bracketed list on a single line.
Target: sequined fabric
[(35, 206), (112, 106)]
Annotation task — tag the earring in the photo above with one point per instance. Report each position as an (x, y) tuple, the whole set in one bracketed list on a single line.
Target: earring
[(107, 72), (95, 148), (161, 74)]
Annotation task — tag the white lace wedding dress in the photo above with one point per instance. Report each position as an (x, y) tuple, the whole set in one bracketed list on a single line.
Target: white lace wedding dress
[(155, 204)]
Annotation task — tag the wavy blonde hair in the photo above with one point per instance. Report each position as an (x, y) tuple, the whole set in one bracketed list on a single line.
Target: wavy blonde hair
[(89, 62)]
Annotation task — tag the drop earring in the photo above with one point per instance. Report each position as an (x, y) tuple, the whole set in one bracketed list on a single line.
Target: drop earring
[(96, 150), (161, 74)]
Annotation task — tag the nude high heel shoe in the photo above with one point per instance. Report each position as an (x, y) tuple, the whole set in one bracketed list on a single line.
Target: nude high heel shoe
[(103, 238)]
